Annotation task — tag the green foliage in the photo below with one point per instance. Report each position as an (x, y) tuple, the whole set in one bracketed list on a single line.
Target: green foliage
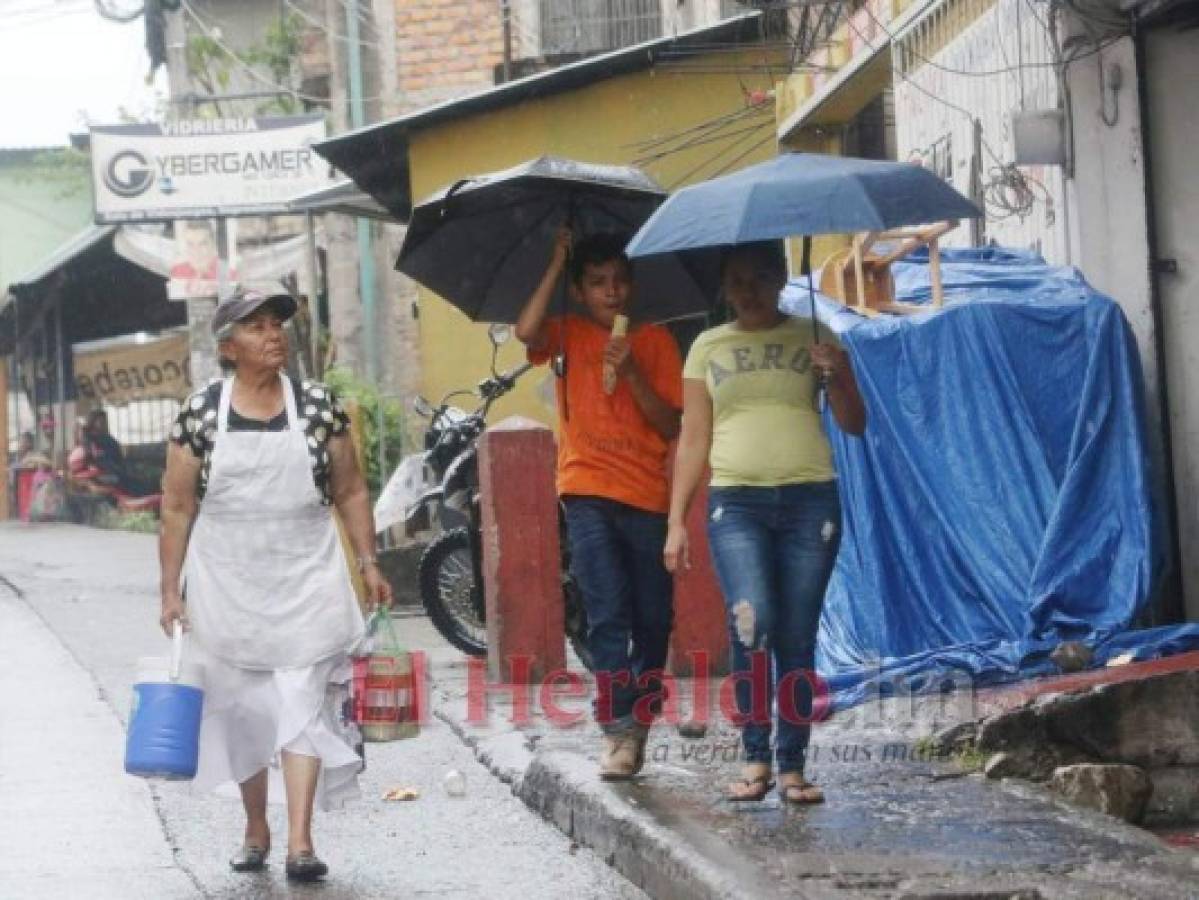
[(208, 63), (211, 65), (351, 388), (140, 522), (68, 169)]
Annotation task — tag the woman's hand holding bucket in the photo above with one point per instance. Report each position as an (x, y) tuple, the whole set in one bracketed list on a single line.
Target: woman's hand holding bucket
[(173, 610)]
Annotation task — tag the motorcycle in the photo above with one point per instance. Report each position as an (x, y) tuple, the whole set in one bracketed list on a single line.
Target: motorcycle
[(440, 488)]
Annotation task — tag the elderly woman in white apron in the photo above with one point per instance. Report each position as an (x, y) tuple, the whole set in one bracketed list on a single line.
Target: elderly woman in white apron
[(253, 567)]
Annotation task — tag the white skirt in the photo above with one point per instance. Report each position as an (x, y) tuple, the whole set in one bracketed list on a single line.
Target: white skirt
[(251, 716)]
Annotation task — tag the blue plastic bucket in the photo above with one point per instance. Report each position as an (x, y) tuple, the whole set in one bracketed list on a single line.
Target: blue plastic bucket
[(163, 739)]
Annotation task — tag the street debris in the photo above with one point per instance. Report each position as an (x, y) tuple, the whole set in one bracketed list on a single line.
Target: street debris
[(402, 794)]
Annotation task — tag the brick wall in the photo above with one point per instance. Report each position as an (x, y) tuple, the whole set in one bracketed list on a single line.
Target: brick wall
[(447, 48)]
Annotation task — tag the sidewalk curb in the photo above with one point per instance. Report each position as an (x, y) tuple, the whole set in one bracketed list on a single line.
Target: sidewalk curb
[(562, 788)]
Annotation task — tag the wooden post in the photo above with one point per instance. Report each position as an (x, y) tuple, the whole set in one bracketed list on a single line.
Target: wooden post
[(934, 271), (858, 271)]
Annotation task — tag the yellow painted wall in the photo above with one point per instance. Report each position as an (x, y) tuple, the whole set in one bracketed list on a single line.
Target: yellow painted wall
[(601, 123)]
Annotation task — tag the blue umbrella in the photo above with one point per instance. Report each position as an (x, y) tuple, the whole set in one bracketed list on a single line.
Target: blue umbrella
[(792, 195)]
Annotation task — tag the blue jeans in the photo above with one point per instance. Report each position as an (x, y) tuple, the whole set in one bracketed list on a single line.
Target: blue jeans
[(616, 558), (774, 550)]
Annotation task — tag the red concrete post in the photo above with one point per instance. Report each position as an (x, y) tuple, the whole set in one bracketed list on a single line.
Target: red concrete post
[(521, 556), (4, 461), (700, 629)]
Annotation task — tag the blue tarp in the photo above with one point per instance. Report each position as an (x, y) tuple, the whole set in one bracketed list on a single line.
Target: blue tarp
[(1002, 499)]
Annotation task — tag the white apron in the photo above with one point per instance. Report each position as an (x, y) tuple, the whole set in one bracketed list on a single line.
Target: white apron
[(266, 581)]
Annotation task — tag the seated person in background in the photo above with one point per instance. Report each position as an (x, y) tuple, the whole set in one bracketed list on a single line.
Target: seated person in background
[(97, 464), (27, 456)]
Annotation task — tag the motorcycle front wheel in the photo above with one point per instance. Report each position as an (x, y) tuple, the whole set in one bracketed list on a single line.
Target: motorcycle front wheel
[(452, 592)]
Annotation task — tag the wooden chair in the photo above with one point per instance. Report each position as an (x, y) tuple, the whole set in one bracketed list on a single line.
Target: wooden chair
[(865, 277)]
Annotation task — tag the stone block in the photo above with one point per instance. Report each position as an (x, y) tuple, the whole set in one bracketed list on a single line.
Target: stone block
[(1152, 722), (1118, 790), (1175, 798)]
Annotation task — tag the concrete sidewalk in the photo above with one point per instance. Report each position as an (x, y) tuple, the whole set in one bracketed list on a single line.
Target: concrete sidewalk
[(895, 824), (73, 823)]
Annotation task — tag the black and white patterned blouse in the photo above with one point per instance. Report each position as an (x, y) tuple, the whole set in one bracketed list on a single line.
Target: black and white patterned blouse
[(321, 415)]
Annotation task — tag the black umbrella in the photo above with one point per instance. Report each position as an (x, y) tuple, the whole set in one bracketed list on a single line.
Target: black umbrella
[(484, 242)]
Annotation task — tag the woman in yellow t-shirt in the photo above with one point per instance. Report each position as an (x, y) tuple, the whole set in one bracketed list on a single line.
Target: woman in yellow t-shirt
[(751, 410)]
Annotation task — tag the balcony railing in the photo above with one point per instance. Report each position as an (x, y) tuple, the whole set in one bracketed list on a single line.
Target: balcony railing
[(596, 26)]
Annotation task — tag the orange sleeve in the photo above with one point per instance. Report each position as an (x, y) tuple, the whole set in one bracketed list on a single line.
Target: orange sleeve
[(553, 343), (666, 372)]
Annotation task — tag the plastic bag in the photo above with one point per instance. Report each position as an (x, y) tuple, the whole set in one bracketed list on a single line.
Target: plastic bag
[(49, 503), (411, 479), (385, 689)]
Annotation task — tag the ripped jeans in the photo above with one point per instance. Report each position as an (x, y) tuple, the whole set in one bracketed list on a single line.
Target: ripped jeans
[(774, 550)]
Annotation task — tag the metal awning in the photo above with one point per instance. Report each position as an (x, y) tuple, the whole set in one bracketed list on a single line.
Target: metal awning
[(346, 198), (98, 292), (1181, 14), (79, 244), (845, 94)]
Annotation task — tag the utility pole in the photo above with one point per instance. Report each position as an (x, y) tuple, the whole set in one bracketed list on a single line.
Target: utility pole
[(506, 15), (366, 258)]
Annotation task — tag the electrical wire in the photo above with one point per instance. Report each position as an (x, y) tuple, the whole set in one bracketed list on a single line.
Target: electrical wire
[(654, 142), (715, 157), (732, 162), (316, 23), (1009, 193), (121, 17), (252, 72), (363, 17), (649, 160), (966, 73)]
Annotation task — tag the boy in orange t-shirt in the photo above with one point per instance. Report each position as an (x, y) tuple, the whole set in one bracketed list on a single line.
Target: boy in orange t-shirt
[(612, 480)]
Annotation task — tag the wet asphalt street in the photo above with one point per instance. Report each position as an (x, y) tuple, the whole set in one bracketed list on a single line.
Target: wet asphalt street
[(84, 829)]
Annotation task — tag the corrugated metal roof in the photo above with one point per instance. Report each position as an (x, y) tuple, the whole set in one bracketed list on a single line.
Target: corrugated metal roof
[(376, 157), (80, 243), (1178, 13), (344, 197)]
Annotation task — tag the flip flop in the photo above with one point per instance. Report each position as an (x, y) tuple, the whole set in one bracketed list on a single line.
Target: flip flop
[(801, 793), (762, 786), (250, 858), (305, 866)]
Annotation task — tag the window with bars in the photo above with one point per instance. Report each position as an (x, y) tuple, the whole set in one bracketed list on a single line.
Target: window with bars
[(595, 26)]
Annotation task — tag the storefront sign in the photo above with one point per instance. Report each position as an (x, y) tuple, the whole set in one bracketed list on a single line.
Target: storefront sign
[(205, 168), (118, 373)]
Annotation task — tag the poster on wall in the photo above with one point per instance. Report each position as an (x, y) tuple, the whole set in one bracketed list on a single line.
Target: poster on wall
[(204, 265), (117, 371), (205, 168)]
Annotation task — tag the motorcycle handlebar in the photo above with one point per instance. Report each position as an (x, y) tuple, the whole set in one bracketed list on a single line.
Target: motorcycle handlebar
[(513, 374)]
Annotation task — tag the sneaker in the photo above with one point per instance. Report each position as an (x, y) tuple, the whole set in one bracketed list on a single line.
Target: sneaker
[(619, 758)]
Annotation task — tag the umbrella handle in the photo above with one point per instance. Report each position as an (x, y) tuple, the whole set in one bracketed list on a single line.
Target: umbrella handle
[(806, 267), (449, 195)]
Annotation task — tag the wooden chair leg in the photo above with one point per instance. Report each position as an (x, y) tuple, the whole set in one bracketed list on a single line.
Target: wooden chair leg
[(934, 272)]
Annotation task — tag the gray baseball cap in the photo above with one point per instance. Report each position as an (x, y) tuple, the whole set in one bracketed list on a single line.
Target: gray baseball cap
[(248, 299)]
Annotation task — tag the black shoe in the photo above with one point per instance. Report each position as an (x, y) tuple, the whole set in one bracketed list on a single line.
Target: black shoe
[(249, 859), (305, 867)]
